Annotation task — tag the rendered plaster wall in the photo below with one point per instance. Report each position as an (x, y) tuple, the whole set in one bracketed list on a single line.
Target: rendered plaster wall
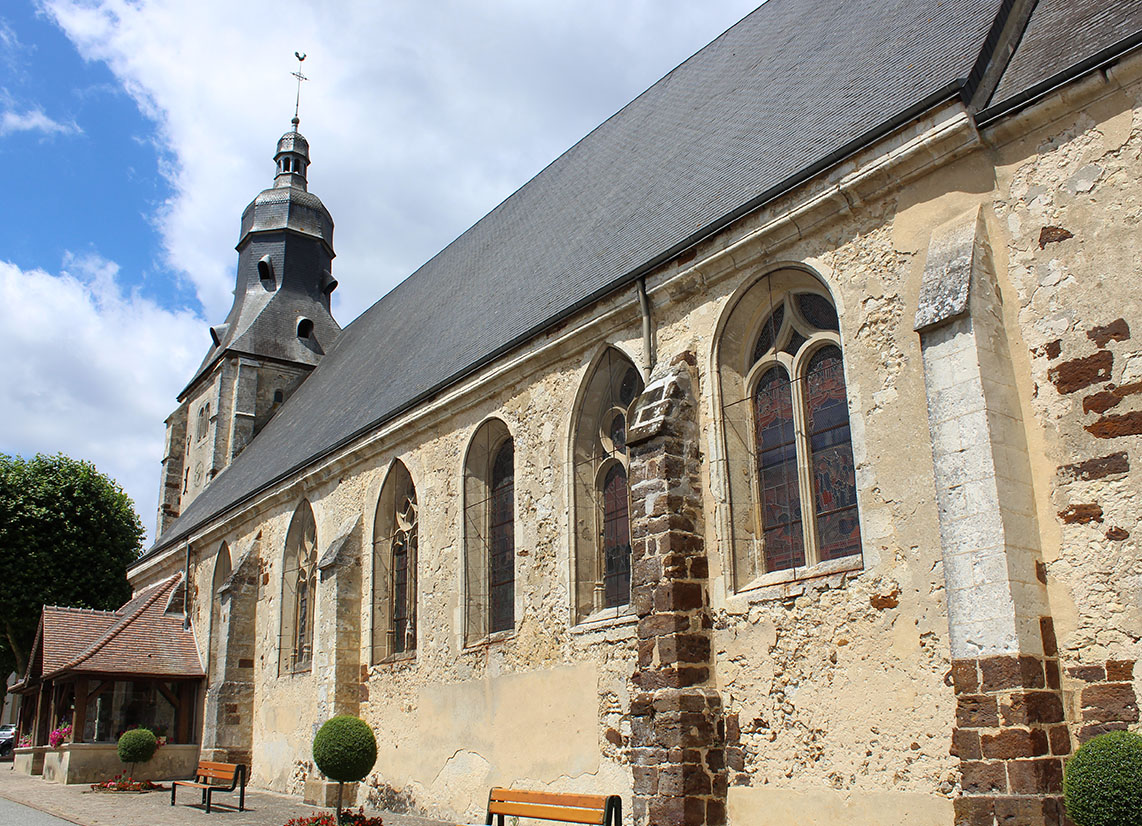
[(1069, 200)]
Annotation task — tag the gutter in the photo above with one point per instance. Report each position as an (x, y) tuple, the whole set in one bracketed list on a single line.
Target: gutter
[(1096, 62)]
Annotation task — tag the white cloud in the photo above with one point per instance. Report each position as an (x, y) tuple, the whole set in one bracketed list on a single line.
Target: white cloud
[(34, 120), (421, 116), (91, 371)]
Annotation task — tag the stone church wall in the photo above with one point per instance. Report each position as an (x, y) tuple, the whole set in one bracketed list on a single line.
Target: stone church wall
[(841, 696)]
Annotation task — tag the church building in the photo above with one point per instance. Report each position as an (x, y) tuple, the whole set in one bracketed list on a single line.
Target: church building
[(773, 456)]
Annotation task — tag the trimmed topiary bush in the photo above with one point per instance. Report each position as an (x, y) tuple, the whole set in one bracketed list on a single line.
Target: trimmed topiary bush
[(344, 750), (1102, 782), (137, 746)]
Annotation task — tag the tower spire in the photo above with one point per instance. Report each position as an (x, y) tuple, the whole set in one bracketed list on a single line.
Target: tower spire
[(300, 77)]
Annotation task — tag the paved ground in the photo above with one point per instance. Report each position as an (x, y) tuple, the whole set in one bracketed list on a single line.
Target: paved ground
[(53, 804)]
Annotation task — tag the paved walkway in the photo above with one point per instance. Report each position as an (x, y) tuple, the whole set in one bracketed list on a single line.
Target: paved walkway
[(53, 804)]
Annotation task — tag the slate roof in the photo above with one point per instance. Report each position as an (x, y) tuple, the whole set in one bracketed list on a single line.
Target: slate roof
[(1062, 34), (778, 97), (140, 638)]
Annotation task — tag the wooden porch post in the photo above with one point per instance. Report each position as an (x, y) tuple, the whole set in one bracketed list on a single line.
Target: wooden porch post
[(185, 710), (79, 716)]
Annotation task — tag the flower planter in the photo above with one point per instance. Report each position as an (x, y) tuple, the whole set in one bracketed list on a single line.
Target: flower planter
[(94, 762)]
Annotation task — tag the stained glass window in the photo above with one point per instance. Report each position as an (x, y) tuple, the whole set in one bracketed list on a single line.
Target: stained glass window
[(404, 595), (501, 560), (801, 420), (777, 471), (830, 443), (299, 589), (395, 538), (616, 538)]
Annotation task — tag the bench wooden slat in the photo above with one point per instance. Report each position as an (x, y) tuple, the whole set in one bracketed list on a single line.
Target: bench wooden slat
[(563, 814), (216, 774), (585, 801)]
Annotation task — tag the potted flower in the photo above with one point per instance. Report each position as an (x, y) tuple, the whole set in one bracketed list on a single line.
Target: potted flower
[(59, 736)]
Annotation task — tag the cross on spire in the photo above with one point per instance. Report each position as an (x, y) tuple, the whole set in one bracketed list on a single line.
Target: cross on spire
[(300, 77)]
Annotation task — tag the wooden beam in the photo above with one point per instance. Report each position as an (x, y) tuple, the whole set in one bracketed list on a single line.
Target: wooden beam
[(166, 692), (79, 715), (99, 689), (184, 716)]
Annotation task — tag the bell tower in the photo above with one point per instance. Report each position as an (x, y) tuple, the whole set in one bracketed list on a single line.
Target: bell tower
[(277, 330)]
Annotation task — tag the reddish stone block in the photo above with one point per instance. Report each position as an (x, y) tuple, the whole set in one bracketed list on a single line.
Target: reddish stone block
[(1120, 670), (1076, 374), (1026, 811), (1095, 729), (658, 625), (1002, 673), (1047, 633), (1029, 707), (1040, 776), (965, 744), (978, 777), (1051, 667), (1087, 673), (715, 813), (977, 711), (974, 811), (1014, 742), (1060, 739), (965, 676), (733, 730), (1110, 702)]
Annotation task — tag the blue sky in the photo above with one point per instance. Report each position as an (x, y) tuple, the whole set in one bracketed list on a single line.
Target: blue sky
[(134, 132)]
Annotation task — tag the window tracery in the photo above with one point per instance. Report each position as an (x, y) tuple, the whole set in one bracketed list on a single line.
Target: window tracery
[(601, 489), (789, 458), (489, 532), (299, 592), (395, 543)]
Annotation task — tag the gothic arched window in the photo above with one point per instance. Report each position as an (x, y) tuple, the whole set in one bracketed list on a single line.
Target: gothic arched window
[(789, 454), (489, 532), (299, 592), (222, 569), (395, 539), (601, 491)]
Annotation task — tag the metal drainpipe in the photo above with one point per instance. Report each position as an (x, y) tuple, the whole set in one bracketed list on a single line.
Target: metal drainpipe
[(186, 590), (647, 329)]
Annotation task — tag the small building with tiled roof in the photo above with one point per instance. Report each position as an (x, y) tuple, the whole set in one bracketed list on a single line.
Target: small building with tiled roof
[(100, 673)]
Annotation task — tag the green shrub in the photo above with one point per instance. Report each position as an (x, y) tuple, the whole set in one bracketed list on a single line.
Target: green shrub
[(345, 749), (137, 745), (1102, 782)]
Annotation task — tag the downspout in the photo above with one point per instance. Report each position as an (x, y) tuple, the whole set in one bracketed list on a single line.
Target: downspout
[(186, 591), (648, 357)]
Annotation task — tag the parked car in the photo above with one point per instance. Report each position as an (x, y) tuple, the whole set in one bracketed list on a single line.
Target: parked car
[(7, 739)]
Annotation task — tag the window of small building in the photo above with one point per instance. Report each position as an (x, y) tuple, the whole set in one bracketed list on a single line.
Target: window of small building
[(601, 490), (489, 532), (203, 424), (299, 592), (785, 419), (395, 541)]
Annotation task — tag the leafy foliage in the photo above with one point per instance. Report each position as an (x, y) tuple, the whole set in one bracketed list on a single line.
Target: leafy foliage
[(1102, 782), (67, 535), (345, 749), (137, 745)]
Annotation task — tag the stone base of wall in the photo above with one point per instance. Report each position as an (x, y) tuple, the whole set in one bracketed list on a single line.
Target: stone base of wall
[(29, 760), (1011, 738), (1101, 698)]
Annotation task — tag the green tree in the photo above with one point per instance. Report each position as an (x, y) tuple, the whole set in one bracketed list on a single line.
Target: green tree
[(67, 535)]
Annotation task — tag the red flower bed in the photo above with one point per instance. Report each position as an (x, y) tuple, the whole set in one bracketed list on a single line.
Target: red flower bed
[(349, 817), (123, 783)]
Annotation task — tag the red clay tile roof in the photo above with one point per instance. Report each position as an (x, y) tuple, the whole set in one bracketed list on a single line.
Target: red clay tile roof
[(139, 638), (68, 632)]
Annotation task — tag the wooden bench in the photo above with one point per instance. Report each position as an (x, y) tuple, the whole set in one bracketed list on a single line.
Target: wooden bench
[(213, 777), (602, 810)]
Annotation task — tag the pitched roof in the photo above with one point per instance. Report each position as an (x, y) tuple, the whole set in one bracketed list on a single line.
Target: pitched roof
[(793, 87), (1062, 34), (140, 638)]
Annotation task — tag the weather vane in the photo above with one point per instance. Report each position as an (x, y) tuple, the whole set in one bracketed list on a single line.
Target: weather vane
[(300, 77)]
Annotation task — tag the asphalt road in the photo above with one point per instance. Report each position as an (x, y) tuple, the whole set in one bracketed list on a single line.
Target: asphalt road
[(13, 814)]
